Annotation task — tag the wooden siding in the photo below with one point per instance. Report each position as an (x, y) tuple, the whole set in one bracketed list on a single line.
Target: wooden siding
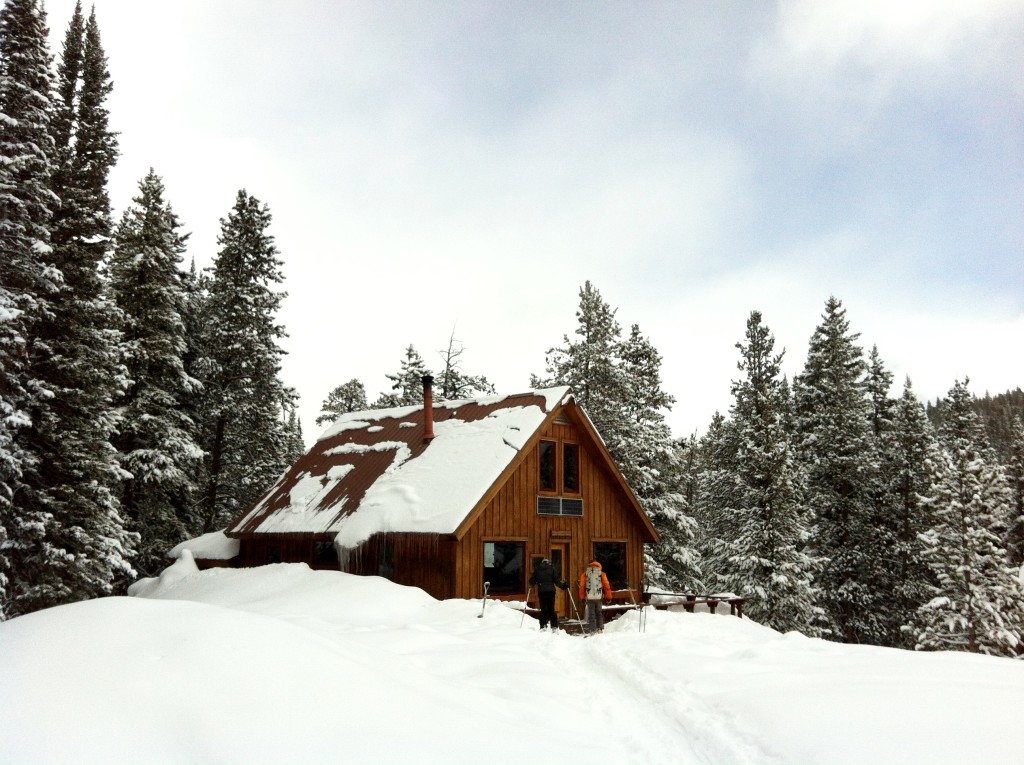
[(289, 548), (417, 560), (511, 515)]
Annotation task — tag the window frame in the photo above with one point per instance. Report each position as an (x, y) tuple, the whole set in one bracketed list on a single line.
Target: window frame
[(541, 487), (496, 586), (565, 489), (616, 584)]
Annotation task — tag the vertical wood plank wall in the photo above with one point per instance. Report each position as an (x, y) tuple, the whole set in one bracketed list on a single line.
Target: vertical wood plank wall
[(512, 516)]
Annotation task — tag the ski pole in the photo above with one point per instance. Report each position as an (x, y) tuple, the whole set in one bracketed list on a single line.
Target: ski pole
[(634, 603), (527, 605), (576, 611), (484, 606)]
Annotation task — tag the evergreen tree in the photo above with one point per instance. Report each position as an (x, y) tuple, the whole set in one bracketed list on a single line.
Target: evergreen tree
[(407, 383), (1015, 476), (67, 540), (767, 527), (651, 462), (590, 365), (886, 524), (716, 497), (978, 600), (349, 397), (912, 447), (244, 434), (71, 435), (27, 284), (156, 442), (296, 443), (833, 419)]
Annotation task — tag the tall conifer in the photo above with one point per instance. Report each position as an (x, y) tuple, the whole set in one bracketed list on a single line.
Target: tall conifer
[(769, 525), (652, 462), (833, 418), (907, 453), (978, 599), (71, 435), (243, 418), (27, 283), (156, 438)]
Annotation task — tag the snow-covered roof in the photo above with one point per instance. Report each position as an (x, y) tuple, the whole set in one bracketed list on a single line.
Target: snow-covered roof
[(373, 472), (212, 546)]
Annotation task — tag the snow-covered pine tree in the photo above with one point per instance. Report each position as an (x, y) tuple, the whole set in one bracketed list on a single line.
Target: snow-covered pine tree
[(296, 443), (244, 434), (71, 436), (716, 496), (67, 542), (157, 437), (913, 445), (651, 461), (1015, 475), (452, 382), (27, 284), (768, 527), (348, 397), (978, 599), (591, 365), (885, 522), (833, 419), (407, 383)]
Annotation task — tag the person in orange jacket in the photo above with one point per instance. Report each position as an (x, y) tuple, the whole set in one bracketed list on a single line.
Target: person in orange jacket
[(595, 588)]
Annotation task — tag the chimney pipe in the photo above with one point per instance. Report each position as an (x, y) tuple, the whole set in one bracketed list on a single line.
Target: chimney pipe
[(428, 408)]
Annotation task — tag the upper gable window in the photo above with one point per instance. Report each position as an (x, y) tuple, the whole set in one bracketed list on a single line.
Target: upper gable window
[(548, 468), (571, 468)]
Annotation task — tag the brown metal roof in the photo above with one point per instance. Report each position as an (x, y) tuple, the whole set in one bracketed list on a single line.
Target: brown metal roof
[(365, 445)]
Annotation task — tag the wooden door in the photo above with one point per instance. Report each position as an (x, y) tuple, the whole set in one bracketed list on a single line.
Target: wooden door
[(560, 562)]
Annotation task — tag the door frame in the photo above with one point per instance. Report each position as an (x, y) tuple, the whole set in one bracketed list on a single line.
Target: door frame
[(560, 552)]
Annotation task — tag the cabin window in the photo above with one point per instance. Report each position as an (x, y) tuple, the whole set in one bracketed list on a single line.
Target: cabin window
[(559, 506), (273, 554), (504, 567), (324, 553), (571, 468), (612, 557), (547, 466)]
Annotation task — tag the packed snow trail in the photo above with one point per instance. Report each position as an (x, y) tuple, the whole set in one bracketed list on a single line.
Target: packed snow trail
[(667, 712)]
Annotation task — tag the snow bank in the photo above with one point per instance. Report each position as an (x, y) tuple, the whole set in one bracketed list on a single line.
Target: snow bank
[(285, 664)]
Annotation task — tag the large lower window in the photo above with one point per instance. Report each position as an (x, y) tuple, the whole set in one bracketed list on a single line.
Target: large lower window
[(505, 567), (612, 557)]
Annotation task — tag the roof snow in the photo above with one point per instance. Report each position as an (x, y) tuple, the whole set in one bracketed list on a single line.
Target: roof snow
[(372, 472)]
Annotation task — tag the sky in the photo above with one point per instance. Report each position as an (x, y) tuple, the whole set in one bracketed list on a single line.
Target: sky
[(284, 664), (460, 169)]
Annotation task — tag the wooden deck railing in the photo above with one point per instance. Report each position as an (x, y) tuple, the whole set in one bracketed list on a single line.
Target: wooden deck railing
[(688, 600)]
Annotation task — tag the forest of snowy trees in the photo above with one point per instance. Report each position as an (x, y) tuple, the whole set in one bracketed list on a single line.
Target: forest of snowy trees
[(141, 402), (142, 405)]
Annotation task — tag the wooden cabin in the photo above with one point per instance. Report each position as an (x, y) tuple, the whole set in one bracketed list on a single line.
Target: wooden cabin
[(449, 496)]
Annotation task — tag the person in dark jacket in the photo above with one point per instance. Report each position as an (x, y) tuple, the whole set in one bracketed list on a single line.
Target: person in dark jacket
[(545, 579)]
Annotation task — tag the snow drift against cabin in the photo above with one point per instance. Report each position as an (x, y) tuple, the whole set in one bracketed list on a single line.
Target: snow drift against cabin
[(432, 493)]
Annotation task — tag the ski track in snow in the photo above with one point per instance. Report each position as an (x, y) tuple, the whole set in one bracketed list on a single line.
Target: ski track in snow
[(628, 691)]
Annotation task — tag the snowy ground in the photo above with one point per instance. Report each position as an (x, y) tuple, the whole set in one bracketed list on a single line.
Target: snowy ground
[(283, 664)]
